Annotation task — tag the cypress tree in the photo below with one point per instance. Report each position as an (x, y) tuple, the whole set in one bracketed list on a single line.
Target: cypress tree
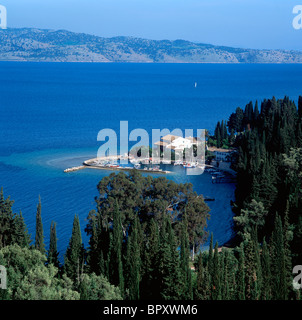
[(53, 252), (280, 287), (250, 112), (200, 277), (116, 265), (250, 271), (258, 269), (216, 285), (206, 294), (217, 128), (74, 257), (266, 271), (134, 261), (256, 114), (7, 228), (22, 236), (300, 107), (287, 252), (102, 264), (232, 269), (239, 115), (151, 279), (225, 285), (223, 131), (219, 139), (184, 260), (218, 135), (39, 244), (210, 265), (93, 254), (203, 280), (169, 263), (210, 258), (241, 274), (100, 248)]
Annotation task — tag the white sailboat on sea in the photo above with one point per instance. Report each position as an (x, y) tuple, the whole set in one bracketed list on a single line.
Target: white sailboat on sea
[(195, 84)]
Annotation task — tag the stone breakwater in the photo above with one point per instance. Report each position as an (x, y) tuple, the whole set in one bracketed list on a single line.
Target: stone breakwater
[(74, 169), (95, 163)]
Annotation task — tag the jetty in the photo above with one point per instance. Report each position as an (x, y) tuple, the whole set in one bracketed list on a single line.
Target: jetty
[(128, 169), (74, 169), (108, 163)]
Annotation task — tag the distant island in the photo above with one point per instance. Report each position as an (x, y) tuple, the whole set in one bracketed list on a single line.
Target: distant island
[(27, 44)]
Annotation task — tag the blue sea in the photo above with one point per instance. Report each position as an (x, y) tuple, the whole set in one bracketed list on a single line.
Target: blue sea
[(51, 113)]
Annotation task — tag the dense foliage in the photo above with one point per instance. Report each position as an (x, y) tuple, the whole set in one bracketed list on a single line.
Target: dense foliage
[(33, 275), (269, 167), (134, 232), (221, 139)]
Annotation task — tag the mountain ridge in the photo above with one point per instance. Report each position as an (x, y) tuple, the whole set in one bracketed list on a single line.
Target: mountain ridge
[(33, 44)]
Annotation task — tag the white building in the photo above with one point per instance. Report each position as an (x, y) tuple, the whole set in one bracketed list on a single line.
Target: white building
[(177, 143), (221, 154)]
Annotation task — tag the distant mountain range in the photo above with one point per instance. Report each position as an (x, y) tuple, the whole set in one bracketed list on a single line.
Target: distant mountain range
[(63, 46)]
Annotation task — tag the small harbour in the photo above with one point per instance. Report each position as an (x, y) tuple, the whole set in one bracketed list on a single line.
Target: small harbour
[(114, 163)]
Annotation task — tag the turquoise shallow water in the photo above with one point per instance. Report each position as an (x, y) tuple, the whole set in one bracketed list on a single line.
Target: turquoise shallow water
[(51, 114)]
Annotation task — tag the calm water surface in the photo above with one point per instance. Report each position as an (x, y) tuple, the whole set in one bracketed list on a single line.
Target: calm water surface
[(51, 115)]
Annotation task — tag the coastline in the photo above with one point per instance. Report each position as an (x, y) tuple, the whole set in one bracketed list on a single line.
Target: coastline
[(89, 164)]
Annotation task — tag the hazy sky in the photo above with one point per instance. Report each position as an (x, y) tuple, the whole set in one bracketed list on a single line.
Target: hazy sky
[(239, 23)]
